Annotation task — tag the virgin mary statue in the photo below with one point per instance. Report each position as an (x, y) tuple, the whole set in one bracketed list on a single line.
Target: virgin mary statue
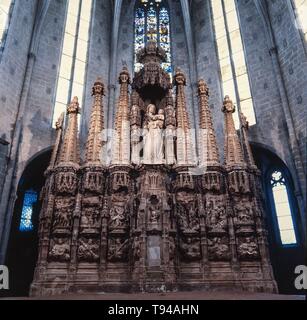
[(153, 136)]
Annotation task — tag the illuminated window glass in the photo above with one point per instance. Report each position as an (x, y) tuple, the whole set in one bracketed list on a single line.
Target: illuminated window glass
[(6, 8), (30, 198), (152, 22), (282, 209), (234, 76), (300, 7), (72, 69)]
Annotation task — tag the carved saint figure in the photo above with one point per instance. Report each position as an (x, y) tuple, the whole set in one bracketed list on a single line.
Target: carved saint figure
[(216, 218), (153, 138), (60, 250), (187, 213), (154, 214), (244, 212), (63, 211), (117, 216)]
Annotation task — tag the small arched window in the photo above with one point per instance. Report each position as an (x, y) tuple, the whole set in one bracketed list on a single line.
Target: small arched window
[(6, 8), (282, 208), (152, 21), (29, 200)]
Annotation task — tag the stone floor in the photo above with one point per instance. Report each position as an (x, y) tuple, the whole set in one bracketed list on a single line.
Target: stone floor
[(195, 295)]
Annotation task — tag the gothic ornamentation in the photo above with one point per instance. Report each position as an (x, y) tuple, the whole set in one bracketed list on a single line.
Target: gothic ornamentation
[(154, 217)]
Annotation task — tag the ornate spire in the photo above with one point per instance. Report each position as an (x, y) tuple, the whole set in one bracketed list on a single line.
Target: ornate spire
[(95, 140), (209, 154), (59, 129), (122, 125), (185, 154), (233, 151), (246, 145), (70, 152)]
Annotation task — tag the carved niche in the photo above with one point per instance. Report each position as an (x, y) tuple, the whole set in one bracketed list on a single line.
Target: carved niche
[(93, 179), (90, 216), (154, 211), (66, 180)]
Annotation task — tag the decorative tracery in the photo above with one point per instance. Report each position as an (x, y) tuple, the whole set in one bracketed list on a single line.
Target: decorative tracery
[(152, 22), (282, 208)]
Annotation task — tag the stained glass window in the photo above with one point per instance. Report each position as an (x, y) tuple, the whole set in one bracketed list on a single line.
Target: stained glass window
[(152, 22), (74, 55), (234, 76), (282, 209), (30, 198), (6, 7)]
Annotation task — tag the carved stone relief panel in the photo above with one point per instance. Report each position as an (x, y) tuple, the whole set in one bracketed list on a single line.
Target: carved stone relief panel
[(63, 210), (59, 250), (187, 213), (88, 249), (216, 215), (218, 248), (247, 248), (118, 249), (190, 248)]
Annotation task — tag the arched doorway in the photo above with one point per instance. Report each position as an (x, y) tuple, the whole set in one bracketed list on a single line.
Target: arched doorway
[(285, 231), (23, 242)]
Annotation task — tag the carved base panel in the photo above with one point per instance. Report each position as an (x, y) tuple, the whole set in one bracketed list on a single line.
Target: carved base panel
[(153, 230)]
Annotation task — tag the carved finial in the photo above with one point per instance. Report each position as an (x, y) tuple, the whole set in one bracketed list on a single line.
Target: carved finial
[(98, 88), (228, 105), (179, 78), (121, 142), (246, 145), (95, 141), (208, 150), (73, 107), (70, 147), (203, 88), (124, 76), (243, 120), (233, 150), (60, 122)]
